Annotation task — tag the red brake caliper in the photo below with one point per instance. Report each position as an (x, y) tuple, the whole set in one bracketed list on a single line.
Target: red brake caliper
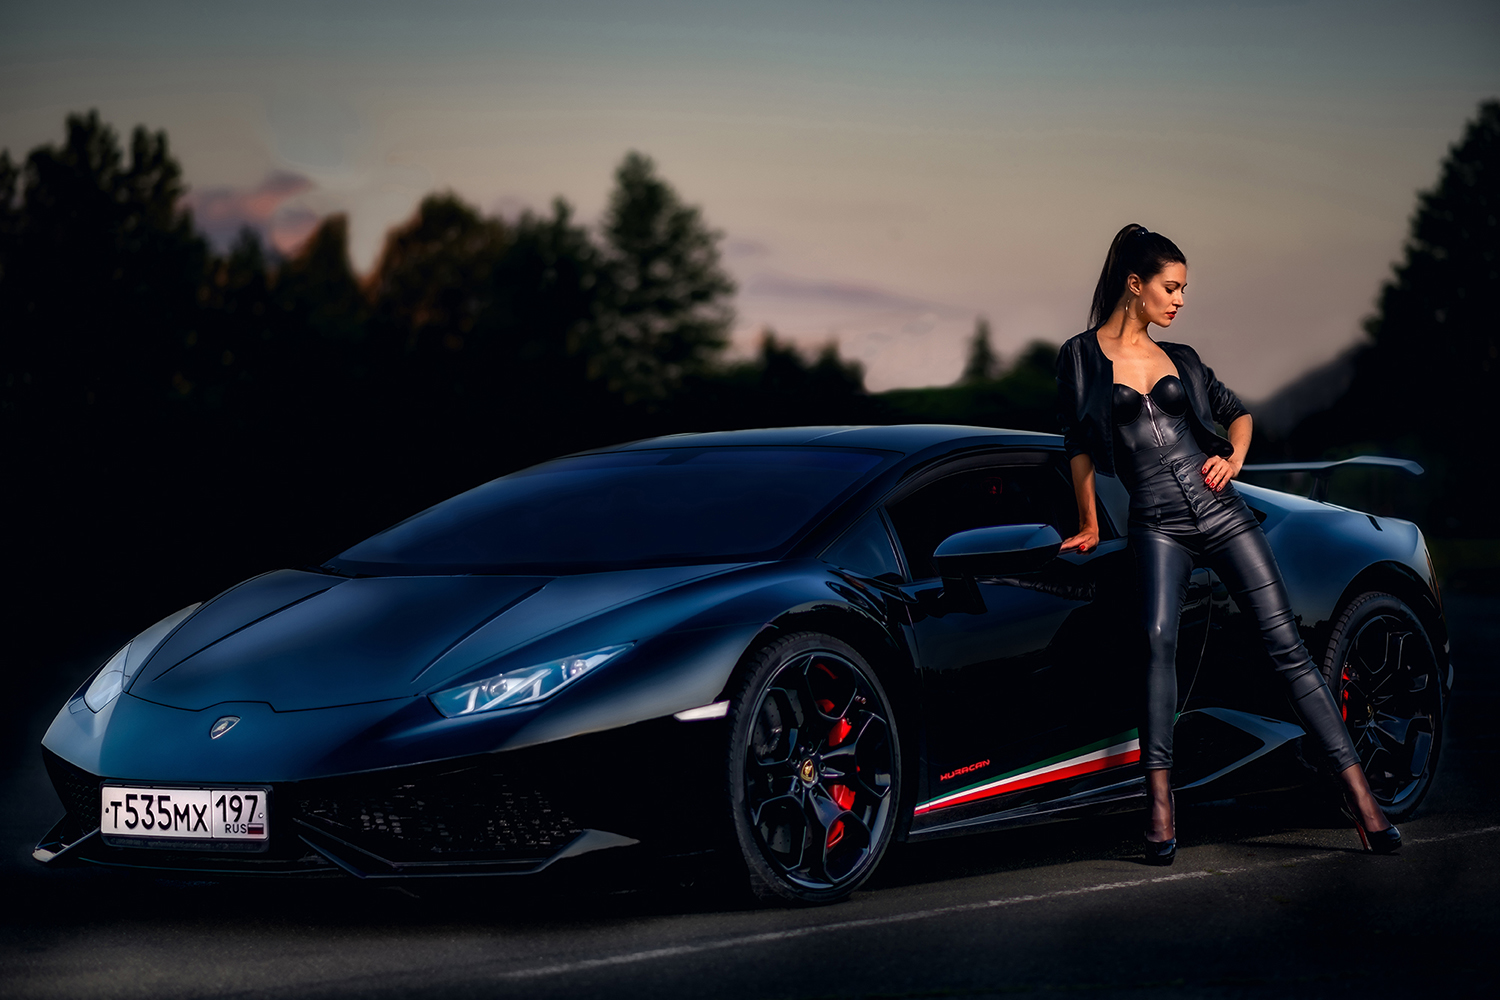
[(842, 794), (1344, 695)]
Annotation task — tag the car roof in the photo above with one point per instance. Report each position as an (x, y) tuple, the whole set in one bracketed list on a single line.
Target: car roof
[(908, 439)]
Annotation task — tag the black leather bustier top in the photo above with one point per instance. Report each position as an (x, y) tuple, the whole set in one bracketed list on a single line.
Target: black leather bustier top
[(1155, 422), (1151, 436), (1161, 462), (1168, 395)]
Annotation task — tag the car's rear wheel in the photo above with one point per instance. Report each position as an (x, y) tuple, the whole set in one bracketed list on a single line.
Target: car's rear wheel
[(1384, 674), (814, 769)]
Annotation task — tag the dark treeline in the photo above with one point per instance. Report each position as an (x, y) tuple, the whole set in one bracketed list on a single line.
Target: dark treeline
[(1022, 395), (1427, 379), (176, 419)]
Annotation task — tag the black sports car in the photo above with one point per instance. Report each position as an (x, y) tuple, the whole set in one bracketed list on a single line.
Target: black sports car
[(795, 644)]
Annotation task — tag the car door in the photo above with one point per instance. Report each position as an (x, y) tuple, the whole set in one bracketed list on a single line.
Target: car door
[(1031, 684)]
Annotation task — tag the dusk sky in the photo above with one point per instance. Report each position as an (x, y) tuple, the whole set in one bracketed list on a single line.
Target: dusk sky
[(883, 172)]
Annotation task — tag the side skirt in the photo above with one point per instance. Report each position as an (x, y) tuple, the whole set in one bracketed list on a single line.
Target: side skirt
[(1270, 733), (1227, 741), (1120, 796)]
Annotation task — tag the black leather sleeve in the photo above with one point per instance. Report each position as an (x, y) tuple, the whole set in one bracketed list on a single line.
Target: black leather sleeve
[(1069, 405), (1226, 405)]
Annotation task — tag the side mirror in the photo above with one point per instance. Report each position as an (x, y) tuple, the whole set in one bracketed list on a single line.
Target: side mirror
[(1003, 551)]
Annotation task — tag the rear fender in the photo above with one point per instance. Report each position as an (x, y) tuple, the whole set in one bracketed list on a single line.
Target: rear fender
[(1400, 580), (1320, 551)]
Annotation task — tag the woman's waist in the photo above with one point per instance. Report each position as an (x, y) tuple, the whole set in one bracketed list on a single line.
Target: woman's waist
[(1167, 461), (1176, 492)]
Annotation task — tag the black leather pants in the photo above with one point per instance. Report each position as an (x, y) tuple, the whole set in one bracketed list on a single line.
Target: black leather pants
[(1166, 548)]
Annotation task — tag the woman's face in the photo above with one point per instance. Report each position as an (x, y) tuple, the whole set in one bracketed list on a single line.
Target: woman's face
[(1159, 299)]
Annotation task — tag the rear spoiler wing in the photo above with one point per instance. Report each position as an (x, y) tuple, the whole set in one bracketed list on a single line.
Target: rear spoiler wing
[(1321, 471)]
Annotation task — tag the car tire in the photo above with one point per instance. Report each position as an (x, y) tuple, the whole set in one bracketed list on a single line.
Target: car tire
[(1384, 674), (814, 769)]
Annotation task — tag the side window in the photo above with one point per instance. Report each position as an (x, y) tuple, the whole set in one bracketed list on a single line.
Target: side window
[(981, 498), (866, 549)]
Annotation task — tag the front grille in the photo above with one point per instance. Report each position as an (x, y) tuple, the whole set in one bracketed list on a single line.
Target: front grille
[(78, 789), (461, 813)]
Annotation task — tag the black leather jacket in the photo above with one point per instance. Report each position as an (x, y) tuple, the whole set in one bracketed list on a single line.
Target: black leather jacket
[(1085, 386)]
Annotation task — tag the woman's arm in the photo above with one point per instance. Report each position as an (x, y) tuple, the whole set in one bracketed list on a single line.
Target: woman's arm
[(1068, 404), (1080, 462), (1218, 471), (1225, 406), (1082, 467)]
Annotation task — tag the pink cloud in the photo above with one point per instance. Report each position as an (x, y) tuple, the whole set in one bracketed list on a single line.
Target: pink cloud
[(291, 227), (221, 212)]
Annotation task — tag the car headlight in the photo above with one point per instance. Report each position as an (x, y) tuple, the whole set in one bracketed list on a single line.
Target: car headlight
[(521, 686), (120, 668)]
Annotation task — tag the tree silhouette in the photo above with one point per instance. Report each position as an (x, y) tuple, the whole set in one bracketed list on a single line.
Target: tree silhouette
[(549, 286), (983, 363), (100, 272), (1425, 384), (318, 285), (433, 298), (665, 314), (482, 324), (236, 363), (795, 392), (1436, 316), (10, 211), (434, 280), (1022, 396)]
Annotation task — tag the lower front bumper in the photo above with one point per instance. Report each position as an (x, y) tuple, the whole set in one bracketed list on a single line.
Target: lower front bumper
[(323, 855), (512, 813), (65, 846)]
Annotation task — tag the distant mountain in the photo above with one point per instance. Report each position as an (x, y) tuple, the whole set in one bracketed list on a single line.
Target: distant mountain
[(1313, 392)]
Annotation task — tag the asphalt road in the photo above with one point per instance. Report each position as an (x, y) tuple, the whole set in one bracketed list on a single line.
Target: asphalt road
[(1266, 900)]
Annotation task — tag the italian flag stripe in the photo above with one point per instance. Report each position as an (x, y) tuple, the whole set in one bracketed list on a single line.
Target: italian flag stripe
[(1122, 749)]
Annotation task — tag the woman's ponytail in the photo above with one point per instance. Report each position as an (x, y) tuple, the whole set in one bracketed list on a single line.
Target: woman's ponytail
[(1134, 250)]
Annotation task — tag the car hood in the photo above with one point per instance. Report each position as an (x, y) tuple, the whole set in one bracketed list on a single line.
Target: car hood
[(298, 640)]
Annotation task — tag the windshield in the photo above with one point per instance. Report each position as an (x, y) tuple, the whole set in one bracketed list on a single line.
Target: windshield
[(621, 509)]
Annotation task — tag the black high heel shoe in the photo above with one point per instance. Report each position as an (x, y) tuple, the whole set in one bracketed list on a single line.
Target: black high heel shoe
[(1387, 841), (1162, 852)]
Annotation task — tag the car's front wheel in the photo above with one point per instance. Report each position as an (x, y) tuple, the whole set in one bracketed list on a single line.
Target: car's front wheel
[(1384, 674), (814, 769)]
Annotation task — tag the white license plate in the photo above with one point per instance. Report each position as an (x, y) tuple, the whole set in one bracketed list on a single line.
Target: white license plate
[(184, 813)]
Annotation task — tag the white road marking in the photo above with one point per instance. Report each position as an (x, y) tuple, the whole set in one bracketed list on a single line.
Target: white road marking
[(634, 957)]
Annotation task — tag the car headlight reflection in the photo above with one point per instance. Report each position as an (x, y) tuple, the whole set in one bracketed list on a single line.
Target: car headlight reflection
[(120, 668), (521, 686)]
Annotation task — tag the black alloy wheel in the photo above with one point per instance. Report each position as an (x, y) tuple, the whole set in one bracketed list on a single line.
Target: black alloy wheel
[(814, 769), (1384, 674)]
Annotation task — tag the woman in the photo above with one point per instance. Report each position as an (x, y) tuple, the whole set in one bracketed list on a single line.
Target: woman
[(1145, 411)]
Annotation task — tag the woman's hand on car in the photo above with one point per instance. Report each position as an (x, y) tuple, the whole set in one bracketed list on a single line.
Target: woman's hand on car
[(1085, 541)]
